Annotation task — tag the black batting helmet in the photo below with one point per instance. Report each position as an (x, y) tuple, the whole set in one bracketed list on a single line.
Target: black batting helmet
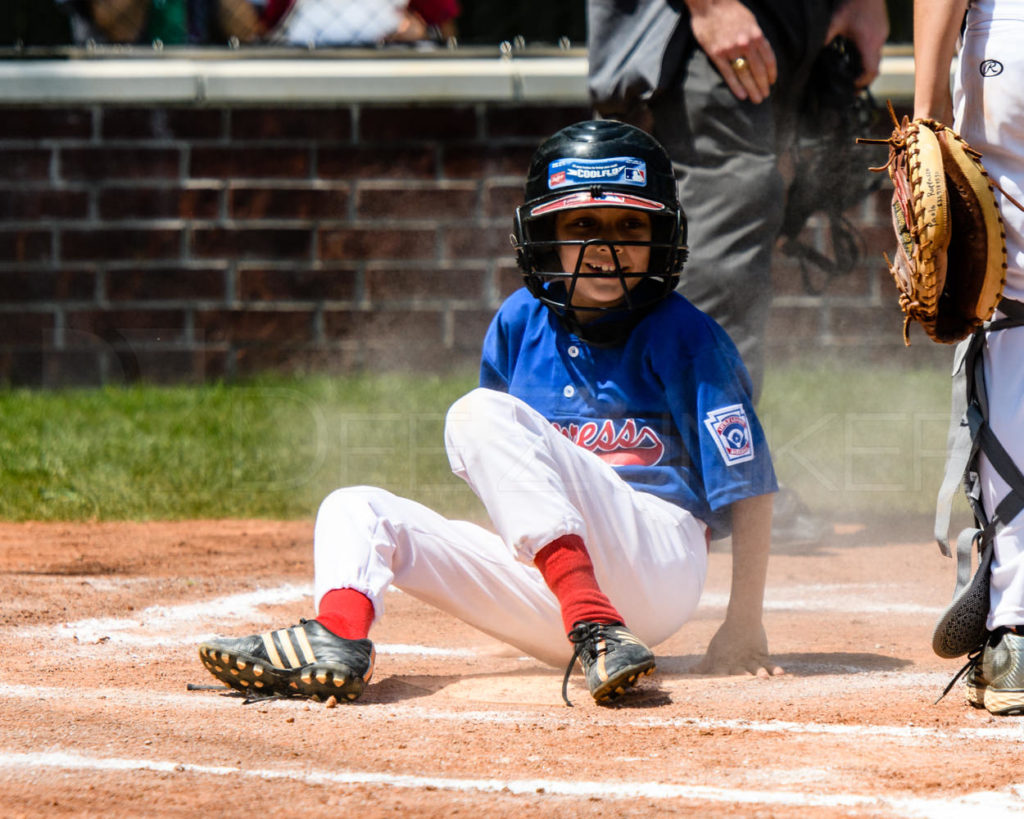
[(599, 163)]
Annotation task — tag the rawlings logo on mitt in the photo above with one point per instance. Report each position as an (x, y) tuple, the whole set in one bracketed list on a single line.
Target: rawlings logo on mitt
[(950, 260)]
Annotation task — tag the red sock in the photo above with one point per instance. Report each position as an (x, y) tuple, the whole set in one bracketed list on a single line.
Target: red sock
[(566, 568), (347, 613)]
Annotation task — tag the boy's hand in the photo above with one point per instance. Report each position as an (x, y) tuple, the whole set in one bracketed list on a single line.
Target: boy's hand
[(738, 650)]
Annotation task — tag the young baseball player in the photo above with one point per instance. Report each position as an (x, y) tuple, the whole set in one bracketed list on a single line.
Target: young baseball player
[(987, 108), (611, 437)]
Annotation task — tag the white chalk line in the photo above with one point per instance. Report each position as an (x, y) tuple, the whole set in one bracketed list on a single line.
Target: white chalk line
[(1012, 730), (1006, 801), (166, 626), (177, 624), (862, 598), (180, 624)]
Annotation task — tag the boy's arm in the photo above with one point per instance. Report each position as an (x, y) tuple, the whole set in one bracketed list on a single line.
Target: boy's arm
[(740, 645)]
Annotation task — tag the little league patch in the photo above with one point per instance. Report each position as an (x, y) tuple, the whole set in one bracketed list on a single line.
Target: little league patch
[(730, 431)]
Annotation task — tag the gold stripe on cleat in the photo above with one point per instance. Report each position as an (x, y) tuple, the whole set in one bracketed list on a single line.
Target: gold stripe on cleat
[(284, 635), (271, 648), (307, 650), (601, 649)]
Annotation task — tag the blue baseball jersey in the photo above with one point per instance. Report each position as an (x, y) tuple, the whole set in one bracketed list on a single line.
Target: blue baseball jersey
[(669, 408)]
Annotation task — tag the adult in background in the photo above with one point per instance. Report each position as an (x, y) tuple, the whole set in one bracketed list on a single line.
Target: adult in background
[(986, 106), (719, 83)]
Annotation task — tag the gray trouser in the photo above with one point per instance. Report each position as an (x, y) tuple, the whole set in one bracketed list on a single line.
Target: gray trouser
[(725, 156)]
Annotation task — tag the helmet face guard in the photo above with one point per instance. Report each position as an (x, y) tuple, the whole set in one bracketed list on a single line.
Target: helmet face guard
[(599, 164)]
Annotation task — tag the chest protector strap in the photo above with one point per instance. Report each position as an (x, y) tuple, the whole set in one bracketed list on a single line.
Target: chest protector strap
[(962, 627)]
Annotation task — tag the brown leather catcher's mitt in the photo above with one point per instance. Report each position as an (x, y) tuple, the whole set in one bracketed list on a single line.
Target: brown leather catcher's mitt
[(950, 260)]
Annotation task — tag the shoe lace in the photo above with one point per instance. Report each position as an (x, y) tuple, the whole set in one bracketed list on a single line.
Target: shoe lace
[(581, 636), (973, 659), (253, 697)]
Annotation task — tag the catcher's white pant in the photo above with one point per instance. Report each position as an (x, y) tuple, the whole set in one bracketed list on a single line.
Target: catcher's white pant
[(649, 556), (988, 101)]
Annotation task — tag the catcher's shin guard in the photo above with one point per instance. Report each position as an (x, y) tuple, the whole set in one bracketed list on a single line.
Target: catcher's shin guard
[(962, 627)]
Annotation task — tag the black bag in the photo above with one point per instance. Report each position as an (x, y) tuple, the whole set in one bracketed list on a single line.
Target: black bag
[(829, 175)]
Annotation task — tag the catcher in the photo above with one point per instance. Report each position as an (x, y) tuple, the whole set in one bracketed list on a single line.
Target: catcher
[(612, 435), (960, 272)]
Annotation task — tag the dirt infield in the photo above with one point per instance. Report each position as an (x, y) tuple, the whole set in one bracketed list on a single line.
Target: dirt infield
[(100, 624)]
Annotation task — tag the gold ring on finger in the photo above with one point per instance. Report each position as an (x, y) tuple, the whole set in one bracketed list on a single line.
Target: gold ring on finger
[(740, 64)]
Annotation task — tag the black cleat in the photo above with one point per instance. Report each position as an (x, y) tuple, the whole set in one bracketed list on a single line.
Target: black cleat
[(612, 657), (305, 660)]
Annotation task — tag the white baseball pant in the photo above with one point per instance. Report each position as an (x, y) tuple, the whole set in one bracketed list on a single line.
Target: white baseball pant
[(649, 556)]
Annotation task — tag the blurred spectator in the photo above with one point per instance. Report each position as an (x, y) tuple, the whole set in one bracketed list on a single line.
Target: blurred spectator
[(441, 15), (172, 22), (290, 22), (239, 19), (358, 22)]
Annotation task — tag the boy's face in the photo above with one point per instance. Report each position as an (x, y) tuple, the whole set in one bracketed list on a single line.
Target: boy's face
[(610, 225)]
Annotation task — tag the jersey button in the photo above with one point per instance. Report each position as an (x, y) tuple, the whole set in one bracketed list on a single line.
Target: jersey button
[(569, 391), (574, 351)]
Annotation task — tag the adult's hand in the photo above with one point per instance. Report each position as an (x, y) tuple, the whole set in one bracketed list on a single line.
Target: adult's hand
[(728, 33)]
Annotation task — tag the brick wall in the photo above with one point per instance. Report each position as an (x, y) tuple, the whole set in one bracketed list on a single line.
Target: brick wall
[(185, 243)]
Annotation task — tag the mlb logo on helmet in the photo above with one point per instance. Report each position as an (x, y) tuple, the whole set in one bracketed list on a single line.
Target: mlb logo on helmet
[(731, 432)]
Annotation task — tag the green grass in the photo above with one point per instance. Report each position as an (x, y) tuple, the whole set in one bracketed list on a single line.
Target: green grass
[(848, 440), (270, 448), (858, 439)]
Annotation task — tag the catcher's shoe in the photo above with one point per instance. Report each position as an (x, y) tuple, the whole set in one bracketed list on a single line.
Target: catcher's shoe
[(974, 688), (996, 681), (612, 657), (305, 660)]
